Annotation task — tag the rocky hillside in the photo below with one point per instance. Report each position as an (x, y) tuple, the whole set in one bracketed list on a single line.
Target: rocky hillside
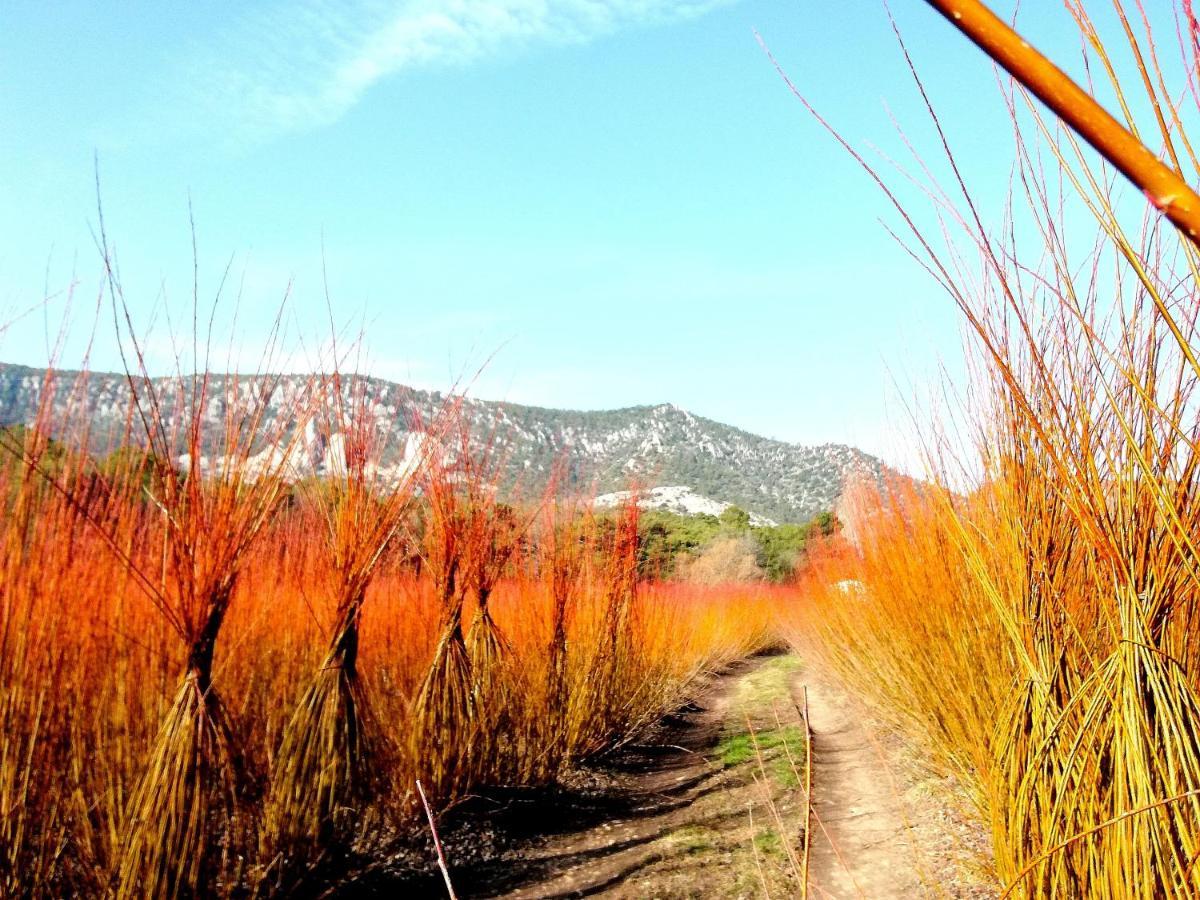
[(598, 451), (675, 498)]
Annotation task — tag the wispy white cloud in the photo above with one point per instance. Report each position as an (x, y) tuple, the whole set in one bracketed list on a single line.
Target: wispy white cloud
[(297, 66)]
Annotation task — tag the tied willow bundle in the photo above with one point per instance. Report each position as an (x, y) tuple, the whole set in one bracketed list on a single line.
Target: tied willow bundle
[(184, 812), (324, 775)]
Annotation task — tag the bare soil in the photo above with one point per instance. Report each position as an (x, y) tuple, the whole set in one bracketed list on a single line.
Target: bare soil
[(883, 827), (693, 813), (710, 804)]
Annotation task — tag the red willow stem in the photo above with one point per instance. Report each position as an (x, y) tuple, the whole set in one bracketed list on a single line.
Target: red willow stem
[(1162, 185)]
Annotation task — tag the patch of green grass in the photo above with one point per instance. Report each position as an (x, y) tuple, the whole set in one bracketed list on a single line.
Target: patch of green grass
[(769, 685), (784, 774), (737, 748), (786, 663), (767, 843), (789, 735), (692, 839)]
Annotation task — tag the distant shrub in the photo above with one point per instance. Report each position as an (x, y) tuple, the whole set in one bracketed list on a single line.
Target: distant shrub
[(726, 560)]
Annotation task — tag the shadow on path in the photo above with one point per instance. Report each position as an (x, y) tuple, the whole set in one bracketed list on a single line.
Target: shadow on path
[(563, 842)]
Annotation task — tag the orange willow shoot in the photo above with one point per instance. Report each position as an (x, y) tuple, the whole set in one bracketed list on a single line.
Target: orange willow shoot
[(1030, 615), (1163, 185), (325, 772), (565, 544)]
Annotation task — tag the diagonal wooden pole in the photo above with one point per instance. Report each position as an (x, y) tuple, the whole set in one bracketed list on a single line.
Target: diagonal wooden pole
[(1163, 186)]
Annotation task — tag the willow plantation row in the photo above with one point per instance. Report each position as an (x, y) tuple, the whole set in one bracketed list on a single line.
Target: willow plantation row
[(216, 679)]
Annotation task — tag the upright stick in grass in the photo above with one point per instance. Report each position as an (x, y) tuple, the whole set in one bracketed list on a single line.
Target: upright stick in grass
[(323, 771)]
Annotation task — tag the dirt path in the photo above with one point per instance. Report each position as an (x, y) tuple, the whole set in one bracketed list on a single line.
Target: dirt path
[(681, 814), (881, 828), (710, 804)]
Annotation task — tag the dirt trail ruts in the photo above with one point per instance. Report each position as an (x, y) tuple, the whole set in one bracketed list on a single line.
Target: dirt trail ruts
[(881, 829), (710, 804), (681, 813)]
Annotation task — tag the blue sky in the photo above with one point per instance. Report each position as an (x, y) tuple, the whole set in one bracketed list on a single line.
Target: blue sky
[(617, 202)]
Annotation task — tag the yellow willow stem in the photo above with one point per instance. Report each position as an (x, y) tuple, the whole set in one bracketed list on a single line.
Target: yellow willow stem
[(1163, 186)]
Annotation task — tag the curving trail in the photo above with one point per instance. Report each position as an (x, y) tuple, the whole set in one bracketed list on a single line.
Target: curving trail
[(881, 830), (688, 813), (710, 804)]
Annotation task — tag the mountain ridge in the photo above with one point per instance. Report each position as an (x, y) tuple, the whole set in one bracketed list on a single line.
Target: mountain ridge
[(598, 451)]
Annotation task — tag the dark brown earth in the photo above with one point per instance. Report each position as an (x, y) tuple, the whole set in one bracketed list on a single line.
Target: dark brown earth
[(710, 804), (682, 812)]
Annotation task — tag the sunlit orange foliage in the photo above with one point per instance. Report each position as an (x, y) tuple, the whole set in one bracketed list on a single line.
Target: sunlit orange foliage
[(90, 667), (1030, 614)]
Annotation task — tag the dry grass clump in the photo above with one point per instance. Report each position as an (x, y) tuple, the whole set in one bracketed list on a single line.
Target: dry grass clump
[(445, 703), (564, 548), (723, 561)]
